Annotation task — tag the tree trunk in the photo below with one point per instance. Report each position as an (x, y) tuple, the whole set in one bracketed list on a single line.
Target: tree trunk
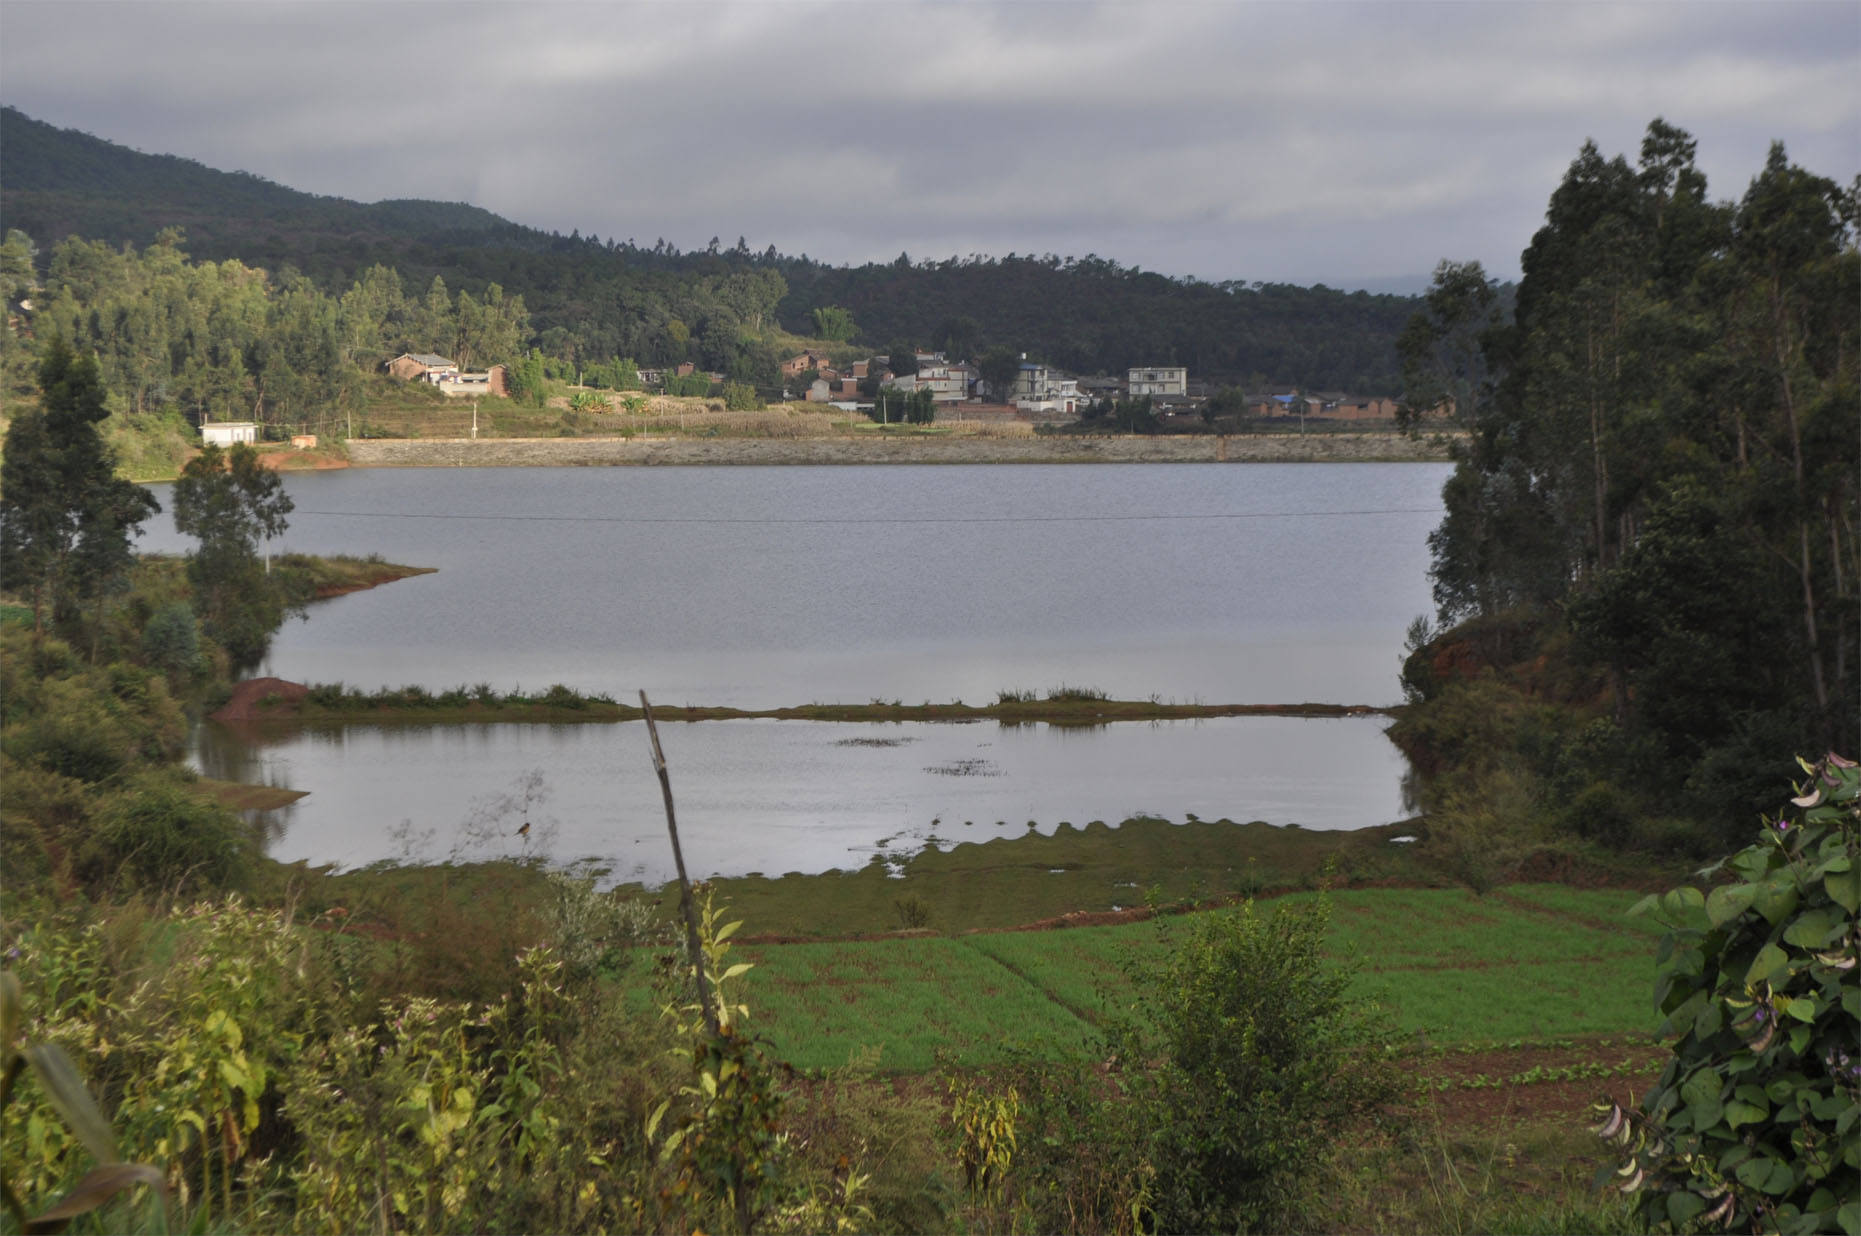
[(1805, 563)]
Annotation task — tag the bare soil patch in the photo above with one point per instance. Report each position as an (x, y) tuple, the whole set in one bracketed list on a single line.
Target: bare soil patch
[(1528, 1084), (248, 701)]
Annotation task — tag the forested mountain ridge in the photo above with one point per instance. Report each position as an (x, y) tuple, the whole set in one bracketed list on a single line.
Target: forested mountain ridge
[(62, 182), (591, 300)]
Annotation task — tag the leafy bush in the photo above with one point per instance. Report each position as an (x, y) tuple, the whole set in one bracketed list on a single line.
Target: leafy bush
[(1756, 1120), (1077, 1163), (171, 640), (560, 696), (158, 833), (1222, 1090), (1263, 1060), (741, 397)]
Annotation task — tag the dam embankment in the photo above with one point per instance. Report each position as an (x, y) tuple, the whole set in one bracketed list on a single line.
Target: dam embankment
[(624, 452)]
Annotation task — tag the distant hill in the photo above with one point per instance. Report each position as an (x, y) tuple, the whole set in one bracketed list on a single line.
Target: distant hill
[(61, 182), (592, 300)]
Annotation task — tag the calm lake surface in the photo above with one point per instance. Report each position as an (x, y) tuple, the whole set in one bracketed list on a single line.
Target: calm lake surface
[(762, 587)]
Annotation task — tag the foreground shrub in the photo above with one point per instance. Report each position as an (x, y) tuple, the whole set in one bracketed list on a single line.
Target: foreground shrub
[(1263, 1061), (1756, 1121), (160, 833), (1219, 1098)]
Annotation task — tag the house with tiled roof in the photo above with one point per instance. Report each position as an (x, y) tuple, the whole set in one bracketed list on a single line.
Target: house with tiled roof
[(421, 366)]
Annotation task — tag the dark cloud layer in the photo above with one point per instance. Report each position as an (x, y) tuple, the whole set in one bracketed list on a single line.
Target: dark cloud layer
[(1282, 141)]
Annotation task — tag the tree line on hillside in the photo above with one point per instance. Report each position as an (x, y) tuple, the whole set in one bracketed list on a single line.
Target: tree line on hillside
[(225, 341), (1661, 466), (592, 300)]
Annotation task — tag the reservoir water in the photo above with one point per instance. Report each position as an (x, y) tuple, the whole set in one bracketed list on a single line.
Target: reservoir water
[(762, 587)]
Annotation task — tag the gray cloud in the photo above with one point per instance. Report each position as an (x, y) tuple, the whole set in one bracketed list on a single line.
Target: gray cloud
[(1302, 142)]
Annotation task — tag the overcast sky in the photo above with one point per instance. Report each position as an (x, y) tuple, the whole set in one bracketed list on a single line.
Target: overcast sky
[(1346, 143)]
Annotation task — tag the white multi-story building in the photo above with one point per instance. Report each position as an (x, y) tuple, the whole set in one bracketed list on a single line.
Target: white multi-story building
[(1166, 381), (1042, 388)]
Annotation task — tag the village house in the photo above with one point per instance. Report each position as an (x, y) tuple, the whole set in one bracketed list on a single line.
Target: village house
[(226, 433), (420, 366), (492, 383), (1165, 381), (846, 385), (946, 382), (1042, 388), (445, 374), (1360, 408), (795, 366)]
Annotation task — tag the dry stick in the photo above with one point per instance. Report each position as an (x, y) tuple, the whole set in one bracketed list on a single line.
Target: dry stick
[(685, 905)]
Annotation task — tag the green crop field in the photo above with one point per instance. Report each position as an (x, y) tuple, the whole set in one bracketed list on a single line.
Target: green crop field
[(1526, 961)]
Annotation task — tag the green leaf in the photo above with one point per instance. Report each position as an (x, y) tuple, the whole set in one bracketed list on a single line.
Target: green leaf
[(62, 1085), (1753, 1172), (1770, 964), (652, 1121), (1682, 904), (1682, 1205), (1844, 888), (1701, 1095), (1814, 928), (1803, 1008), (1766, 1175), (1739, 1112), (1753, 862), (1775, 900), (1781, 1180), (1644, 905), (1728, 901), (98, 1186), (1849, 1216), (12, 1011)]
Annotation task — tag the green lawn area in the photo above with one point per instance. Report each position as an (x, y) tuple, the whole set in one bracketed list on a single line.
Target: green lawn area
[(1528, 961)]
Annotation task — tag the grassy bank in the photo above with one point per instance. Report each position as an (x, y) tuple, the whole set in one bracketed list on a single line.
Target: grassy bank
[(952, 885)]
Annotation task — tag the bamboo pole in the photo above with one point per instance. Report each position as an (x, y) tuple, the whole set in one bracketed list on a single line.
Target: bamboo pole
[(687, 909)]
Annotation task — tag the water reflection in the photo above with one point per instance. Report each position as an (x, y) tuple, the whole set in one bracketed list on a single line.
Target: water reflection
[(774, 796)]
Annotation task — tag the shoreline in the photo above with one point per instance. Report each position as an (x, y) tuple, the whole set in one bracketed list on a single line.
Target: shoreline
[(274, 700), (1061, 449)]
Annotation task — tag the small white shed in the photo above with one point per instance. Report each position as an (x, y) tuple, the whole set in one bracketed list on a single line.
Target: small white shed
[(225, 433)]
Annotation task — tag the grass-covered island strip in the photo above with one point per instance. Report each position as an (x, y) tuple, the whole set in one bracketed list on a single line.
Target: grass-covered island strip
[(266, 699)]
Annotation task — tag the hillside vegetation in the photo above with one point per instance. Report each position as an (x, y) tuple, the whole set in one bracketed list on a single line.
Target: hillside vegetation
[(1652, 546), (727, 309)]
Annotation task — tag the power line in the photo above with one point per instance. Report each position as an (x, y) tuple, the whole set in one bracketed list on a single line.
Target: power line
[(867, 520)]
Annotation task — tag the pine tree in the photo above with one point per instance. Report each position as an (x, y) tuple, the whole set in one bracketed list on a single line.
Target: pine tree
[(66, 519)]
